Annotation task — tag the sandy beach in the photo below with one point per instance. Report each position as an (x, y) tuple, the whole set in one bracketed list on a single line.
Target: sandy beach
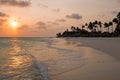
[(102, 58)]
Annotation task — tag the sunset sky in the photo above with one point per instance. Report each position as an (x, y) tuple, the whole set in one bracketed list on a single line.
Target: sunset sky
[(45, 18)]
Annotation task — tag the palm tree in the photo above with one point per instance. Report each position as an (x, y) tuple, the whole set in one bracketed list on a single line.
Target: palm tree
[(86, 24), (77, 29), (118, 16), (118, 25), (100, 25), (96, 25), (111, 24), (83, 27), (115, 20), (73, 28), (90, 26), (106, 26), (96, 22), (59, 35)]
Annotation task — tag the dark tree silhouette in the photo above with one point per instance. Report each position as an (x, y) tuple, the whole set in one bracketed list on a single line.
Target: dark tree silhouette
[(115, 20), (100, 25), (95, 29), (86, 24), (106, 26), (111, 24), (90, 26), (83, 27), (59, 34)]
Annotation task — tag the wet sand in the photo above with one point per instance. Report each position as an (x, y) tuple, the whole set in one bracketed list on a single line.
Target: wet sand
[(102, 60)]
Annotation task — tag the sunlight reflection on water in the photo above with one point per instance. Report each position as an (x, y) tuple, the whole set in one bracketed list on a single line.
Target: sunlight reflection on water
[(20, 65)]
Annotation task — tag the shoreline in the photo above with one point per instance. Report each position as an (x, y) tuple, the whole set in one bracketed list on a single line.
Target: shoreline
[(100, 64), (109, 46)]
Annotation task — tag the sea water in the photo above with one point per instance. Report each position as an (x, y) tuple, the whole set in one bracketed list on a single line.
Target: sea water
[(37, 58)]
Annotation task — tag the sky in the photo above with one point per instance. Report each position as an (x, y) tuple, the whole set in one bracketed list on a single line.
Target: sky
[(45, 18)]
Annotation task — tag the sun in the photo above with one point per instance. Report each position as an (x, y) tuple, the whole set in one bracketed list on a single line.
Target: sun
[(14, 24)]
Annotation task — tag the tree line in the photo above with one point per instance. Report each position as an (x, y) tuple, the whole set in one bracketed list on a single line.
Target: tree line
[(94, 29)]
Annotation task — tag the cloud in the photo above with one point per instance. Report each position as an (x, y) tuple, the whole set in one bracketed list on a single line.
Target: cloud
[(53, 23), (61, 20), (41, 25), (74, 16), (2, 21), (3, 14), (42, 5), (114, 12), (56, 10), (24, 28), (18, 3)]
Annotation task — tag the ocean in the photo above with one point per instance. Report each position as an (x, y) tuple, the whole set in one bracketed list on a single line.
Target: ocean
[(35, 58)]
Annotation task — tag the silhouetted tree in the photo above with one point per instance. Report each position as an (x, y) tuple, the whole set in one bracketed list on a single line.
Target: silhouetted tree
[(72, 28), (95, 29), (83, 27), (107, 26), (115, 21), (111, 24), (90, 26), (118, 24), (96, 25), (100, 25), (77, 29), (59, 35), (118, 16), (86, 24)]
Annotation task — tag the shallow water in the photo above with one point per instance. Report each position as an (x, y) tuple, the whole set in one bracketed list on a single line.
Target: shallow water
[(16, 61), (36, 58)]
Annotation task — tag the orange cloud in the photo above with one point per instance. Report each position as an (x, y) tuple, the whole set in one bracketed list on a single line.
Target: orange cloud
[(41, 25), (2, 21), (3, 14), (61, 20), (74, 16), (18, 3)]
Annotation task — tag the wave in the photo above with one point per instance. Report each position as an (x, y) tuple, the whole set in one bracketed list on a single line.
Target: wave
[(23, 67)]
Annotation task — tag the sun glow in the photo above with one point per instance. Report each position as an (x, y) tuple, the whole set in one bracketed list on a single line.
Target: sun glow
[(14, 24)]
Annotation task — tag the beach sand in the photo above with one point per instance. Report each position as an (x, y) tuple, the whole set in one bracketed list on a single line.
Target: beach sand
[(101, 60)]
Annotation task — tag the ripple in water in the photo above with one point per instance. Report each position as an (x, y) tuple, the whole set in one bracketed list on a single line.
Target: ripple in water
[(20, 66)]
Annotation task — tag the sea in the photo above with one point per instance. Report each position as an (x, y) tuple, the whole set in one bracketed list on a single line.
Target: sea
[(35, 58)]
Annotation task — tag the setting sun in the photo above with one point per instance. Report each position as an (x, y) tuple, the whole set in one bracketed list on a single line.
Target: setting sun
[(14, 24)]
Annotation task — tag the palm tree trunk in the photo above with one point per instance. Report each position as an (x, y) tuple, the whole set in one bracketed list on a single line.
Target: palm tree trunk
[(112, 28), (100, 29), (108, 29)]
